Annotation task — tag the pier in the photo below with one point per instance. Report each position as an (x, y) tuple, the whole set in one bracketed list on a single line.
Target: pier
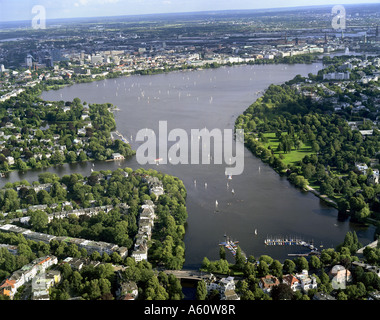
[(232, 246), (312, 252), (293, 241), (288, 241)]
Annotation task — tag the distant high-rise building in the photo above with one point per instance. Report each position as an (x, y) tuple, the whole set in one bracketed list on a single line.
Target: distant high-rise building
[(377, 31), (326, 37), (96, 59), (56, 54), (49, 61), (2, 68), (29, 61)]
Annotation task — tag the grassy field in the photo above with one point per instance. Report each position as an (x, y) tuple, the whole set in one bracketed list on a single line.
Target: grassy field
[(291, 157)]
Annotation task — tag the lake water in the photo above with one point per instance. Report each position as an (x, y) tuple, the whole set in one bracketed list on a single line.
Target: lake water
[(213, 98)]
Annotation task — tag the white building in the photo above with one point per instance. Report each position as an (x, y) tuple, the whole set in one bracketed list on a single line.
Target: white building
[(337, 76), (29, 61), (225, 287), (307, 282), (340, 277)]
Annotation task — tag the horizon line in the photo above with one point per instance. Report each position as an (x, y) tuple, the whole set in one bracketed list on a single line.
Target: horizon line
[(199, 12)]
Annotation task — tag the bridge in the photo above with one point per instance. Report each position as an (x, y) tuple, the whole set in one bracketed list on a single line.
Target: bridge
[(196, 275), (187, 274)]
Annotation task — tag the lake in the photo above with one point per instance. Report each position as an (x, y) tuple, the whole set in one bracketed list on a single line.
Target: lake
[(213, 98)]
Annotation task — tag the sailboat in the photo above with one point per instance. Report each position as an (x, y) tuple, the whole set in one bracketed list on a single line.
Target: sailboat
[(216, 203), (233, 191), (255, 232)]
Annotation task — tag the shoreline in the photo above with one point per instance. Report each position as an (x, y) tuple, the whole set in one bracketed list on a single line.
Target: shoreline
[(322, 197), (316, 58)]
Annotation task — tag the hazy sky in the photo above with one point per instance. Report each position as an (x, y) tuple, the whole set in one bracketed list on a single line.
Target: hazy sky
[(11, 10)]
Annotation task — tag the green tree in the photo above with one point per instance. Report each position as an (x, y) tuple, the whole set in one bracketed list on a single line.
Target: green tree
[(289, 266), (276, 268), (302, 264), (282, 292), (39, 220), (314, 262), (239, 259), (222, 252)]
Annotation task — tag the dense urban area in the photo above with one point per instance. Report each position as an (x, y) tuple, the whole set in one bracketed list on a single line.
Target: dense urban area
[(118, 235)]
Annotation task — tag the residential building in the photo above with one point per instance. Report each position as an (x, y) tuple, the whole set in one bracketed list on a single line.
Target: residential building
[(144, 233), (307, 282), (127, 291), (362, 167), (268, 282), (90, 246), (225, 287), (8, 288), (27, 273), (339, 277), (292, 282), (373, 178), (42, 283), (11, 248), (117, 156)]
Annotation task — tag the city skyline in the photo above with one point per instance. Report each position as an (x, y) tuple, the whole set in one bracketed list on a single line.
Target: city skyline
[(22, 10)]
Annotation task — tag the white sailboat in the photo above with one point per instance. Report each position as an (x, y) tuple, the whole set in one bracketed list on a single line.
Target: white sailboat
[(205, 185), (233, 191), (256, 232), (216, 203)]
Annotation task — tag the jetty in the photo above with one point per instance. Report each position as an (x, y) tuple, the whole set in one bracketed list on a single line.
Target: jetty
[(231, 246), (293, 241), (288, 241), (312, 252)]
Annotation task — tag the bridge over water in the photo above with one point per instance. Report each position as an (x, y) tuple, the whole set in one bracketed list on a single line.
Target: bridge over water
[(187, 274)]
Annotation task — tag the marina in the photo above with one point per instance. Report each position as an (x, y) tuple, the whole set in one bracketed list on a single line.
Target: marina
[(288, 241), (293, 241), (255, 199)]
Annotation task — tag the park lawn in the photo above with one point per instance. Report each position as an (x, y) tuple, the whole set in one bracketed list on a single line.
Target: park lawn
[(55, 86), (289, 158)]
